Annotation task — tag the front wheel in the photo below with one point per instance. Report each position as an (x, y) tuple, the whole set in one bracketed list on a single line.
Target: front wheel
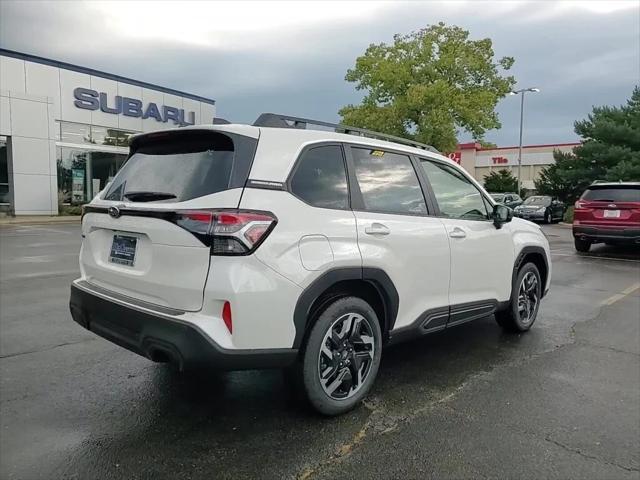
[(525, 301), (342, 356), (582, 245)]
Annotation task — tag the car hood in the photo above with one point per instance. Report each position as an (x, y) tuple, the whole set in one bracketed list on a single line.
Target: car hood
[(520, 224)]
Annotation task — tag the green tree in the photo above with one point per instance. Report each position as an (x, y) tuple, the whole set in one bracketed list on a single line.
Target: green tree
[(429, 85), (500, 181), (610, 150)]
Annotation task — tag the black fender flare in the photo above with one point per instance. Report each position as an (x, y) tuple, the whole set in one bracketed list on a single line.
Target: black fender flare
[(520, 258), (377, 277)]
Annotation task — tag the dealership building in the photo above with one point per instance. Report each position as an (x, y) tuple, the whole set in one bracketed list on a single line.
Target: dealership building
[(479, 161), (64, 131), (64, 128)]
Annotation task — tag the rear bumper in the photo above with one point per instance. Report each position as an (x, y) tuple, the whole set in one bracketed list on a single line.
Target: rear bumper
[(605, 234), (161, 337)]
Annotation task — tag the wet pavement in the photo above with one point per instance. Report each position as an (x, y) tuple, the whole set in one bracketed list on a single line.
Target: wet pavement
[(562, 401)]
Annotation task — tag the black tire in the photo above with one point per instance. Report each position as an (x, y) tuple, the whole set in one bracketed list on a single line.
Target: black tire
[(511, 319), (582, 245), (333, 317), (547, 217)]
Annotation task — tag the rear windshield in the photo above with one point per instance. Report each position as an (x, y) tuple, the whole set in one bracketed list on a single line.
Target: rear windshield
[(613, 194), (177, 167), (536, 200)]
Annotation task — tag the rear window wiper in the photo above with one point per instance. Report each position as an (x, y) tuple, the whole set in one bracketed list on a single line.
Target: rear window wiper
[(148, 196)]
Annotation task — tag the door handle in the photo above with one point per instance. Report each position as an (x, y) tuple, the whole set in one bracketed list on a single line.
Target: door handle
[(457, 232), (377, 229)]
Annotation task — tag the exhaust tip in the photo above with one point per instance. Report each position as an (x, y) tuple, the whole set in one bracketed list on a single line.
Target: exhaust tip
[(160, 356), (163, 353)]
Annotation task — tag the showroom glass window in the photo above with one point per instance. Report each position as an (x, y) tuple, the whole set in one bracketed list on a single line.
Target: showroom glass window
[(388, 182), (457, 197), (79, 133), (88, 157), (320, 178)]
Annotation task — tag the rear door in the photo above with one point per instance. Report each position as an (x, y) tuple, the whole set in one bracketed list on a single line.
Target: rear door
[(397, 234), (610, 206), (145, 236)]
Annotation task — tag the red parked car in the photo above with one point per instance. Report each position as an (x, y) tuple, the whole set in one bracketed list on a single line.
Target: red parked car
[(609, 213)]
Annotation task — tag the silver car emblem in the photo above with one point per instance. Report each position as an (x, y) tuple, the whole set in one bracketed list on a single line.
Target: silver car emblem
[(114, 212), (612, 205)]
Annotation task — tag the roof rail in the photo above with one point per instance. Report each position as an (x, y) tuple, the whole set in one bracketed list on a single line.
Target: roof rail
[(286, 121)]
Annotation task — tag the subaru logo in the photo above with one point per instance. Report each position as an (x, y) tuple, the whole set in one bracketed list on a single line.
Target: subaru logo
[(114, 212)]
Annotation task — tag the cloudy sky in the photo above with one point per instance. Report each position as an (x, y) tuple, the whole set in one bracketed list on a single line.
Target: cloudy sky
[(291, 57)]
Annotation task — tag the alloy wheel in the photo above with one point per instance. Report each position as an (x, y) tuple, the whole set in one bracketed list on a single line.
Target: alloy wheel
[(346, 355), (528, 298)]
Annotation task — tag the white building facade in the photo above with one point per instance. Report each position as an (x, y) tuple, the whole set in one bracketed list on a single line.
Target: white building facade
[(64, 129)]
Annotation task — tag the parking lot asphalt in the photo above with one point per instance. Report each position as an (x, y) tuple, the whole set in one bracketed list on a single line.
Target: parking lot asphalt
[(562, 401)]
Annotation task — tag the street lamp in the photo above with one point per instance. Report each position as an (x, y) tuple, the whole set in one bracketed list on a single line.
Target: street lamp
[(521, 92)]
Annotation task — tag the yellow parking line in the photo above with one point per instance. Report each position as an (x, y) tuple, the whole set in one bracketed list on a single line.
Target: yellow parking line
[(619, 296), (631, 289)]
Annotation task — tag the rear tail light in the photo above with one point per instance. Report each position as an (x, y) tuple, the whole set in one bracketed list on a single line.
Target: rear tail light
[(237, 232), (579, 204)]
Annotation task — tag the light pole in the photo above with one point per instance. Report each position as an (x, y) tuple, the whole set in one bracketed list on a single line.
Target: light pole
[(521, 92)]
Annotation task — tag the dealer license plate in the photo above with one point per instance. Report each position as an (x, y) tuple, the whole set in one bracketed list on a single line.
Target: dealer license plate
[(123, 250)]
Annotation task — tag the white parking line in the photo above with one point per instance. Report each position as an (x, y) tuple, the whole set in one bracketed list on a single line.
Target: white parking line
[(56, 273), (40, 258), (594, 257), (34, 230)]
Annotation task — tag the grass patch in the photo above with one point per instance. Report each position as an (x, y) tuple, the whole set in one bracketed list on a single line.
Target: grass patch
[(568, 215)]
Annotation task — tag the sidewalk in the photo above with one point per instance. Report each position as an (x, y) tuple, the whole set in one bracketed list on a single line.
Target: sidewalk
[(39, 219)]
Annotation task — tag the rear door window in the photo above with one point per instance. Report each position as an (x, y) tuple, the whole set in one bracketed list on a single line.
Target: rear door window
[(181, 166), (388, 182), (615, 194), (320, 178)]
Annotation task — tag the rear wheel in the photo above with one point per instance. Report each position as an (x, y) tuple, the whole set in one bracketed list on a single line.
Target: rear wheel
[(342, 356), (525, 301), (582, 245)]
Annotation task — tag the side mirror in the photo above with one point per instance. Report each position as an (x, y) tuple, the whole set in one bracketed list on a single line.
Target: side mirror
[(501, 214)]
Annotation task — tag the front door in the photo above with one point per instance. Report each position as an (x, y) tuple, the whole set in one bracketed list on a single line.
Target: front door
[(397, 234), (482, 256)]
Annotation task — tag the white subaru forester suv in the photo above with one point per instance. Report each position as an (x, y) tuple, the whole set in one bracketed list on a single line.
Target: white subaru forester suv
[(276, 245)]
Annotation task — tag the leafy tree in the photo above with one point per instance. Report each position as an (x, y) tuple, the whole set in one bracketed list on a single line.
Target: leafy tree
[(428, 85), (610, 150), (500, 181)]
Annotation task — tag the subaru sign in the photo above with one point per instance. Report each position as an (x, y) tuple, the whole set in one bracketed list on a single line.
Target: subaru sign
[(88, 99)]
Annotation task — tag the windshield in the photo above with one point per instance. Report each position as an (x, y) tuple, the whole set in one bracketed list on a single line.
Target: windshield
[(175, 171), (498, 197), (537, 200), (613, 194)]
